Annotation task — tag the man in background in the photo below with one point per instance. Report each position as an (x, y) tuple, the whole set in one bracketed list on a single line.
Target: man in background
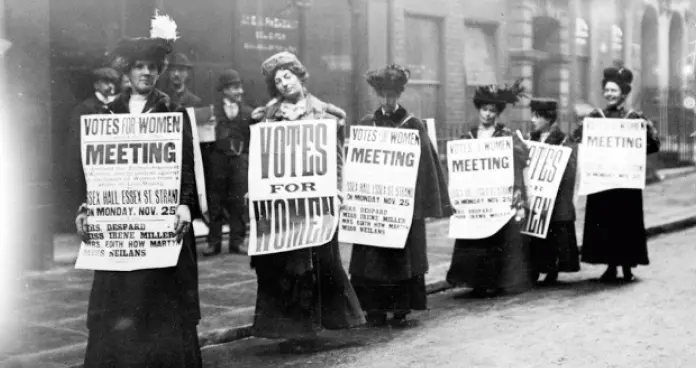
[(178, 74), (229, 163)]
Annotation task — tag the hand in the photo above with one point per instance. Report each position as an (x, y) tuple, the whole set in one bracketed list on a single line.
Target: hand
[(81, 225), (520, 215), (340, 201), (258, 113), (182, 223)]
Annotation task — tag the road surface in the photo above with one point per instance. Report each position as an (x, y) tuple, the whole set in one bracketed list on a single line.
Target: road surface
[(579, 323)]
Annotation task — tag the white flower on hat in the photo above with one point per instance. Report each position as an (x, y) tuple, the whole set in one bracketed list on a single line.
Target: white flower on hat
[(163, 26)]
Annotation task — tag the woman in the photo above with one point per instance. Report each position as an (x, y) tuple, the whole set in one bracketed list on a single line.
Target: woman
[(393, 280), (148, 318), (303, 291), (559, 251), (500, 262), (614, 232)]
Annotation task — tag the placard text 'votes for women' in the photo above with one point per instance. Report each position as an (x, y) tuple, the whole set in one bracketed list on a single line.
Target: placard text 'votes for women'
[(481, 179), (547, 163), (379, 186), (292, 185), (612, 155), (132, 166)]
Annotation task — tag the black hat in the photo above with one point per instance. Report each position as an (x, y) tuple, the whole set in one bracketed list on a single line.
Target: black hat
[(106, 74), (155, 48), (180, 59), (392, 78), (228, 77), (499, 96), (621, 76), (543, 104)]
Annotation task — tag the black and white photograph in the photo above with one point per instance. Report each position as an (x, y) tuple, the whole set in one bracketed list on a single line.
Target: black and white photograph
[(347, 183)]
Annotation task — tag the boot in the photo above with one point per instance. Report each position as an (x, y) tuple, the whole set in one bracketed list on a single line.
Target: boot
[(628, 274), (212, 250), (609, 275)]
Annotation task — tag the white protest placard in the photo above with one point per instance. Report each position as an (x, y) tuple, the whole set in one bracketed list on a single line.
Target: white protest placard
[(612, 155), (432, 134), (547, 163), (132, 166), (198, 165), (205, 123), (293, 190), (379, 177), (481, 180)]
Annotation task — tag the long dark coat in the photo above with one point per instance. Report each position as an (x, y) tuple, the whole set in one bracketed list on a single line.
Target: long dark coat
[(303, 291), (614, 231), (228, 174), (393, 279), (148, 318), (501, 261), (559, 251)]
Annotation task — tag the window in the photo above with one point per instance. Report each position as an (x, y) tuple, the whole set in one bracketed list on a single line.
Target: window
[(423, 58), (329, 51), (480, 61), (480, 54)]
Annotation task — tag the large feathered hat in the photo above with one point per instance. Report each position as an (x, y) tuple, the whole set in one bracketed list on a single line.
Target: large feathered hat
[(392, 78), (621, 76), (156, 47), (499, 96)]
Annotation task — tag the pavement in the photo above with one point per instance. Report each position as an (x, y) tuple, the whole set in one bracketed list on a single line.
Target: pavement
[(47, 326), (577, 323)]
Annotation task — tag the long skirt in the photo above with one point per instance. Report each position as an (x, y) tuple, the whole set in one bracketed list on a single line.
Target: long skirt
[(559, 251), (146, 318), (392, 280), (298, 305), (614, 230), (501, 261)]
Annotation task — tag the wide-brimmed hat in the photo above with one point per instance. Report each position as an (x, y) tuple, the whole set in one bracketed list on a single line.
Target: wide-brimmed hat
[(156, 47), (499, 96), (180, 59), (227, 78), (391, 78)]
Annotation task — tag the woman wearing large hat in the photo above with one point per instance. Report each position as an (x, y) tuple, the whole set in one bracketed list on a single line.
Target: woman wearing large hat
[(558, 252), (500, 262), (614, 232), (148, 318), (393, 280), (304, 291)]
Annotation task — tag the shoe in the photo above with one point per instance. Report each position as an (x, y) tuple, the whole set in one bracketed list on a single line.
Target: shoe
[(609, 275), (551, 278), (628, 274), (399, 320), (297, 346), (376, 319), (211, 251)]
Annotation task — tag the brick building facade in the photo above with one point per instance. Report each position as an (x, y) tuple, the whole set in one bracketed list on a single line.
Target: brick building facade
[(559, 48)]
